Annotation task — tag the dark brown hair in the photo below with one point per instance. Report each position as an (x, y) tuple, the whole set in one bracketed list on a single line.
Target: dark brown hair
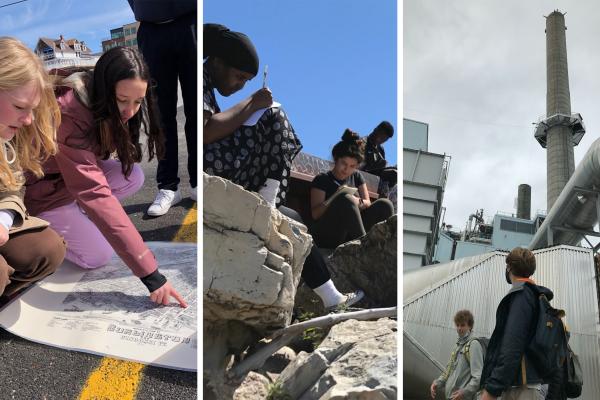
[(350, 146), (464, 316), (109, 132), (521, 262)]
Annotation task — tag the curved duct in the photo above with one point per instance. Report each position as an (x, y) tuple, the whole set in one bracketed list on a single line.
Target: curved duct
[(575, 210), (419, 368)]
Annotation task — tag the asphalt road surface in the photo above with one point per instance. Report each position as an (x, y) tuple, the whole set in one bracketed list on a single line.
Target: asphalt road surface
[(30, 371)]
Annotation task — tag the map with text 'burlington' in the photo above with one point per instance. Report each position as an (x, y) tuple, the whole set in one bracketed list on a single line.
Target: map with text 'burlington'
[(108, 311)]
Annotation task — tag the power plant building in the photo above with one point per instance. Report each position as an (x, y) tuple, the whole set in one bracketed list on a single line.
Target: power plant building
[(424, 182)]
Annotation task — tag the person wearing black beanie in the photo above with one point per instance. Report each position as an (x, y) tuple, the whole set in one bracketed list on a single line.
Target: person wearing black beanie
[(257, 157)]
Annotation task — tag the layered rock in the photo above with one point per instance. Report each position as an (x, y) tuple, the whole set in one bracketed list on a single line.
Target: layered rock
[(357, 360), (253, 257), (369, 263)]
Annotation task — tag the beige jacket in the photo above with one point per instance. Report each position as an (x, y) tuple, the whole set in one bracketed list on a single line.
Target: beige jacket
[(23, 221)]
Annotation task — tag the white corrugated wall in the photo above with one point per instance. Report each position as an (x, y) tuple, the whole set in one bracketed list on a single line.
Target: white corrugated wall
[(567, 271)]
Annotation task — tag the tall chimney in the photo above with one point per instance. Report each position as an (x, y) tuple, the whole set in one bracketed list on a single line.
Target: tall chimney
[(524, 202), (560, 130)]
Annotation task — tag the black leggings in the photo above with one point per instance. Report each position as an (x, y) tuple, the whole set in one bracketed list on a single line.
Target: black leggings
[(344, 221), (315, 271)]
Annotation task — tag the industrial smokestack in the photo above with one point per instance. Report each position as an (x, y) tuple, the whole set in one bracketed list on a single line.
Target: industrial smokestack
[(524, 202), (560, 130)]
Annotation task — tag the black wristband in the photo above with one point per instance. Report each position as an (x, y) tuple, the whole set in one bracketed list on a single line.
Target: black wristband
[(154, 281)]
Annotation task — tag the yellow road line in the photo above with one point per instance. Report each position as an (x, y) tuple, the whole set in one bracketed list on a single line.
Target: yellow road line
[(189, 227), (117, 379), (112, 380)]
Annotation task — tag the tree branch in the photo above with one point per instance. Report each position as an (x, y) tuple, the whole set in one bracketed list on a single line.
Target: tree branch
[(283, 336)]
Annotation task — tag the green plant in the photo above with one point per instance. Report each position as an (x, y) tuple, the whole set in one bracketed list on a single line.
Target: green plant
[(305, 315), (277, 392)]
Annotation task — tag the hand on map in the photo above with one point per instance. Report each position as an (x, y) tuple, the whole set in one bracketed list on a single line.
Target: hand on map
[(163, 294)]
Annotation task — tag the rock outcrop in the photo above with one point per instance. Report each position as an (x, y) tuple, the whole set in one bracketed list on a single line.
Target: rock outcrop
[(253, 258), (369, 263), (357, 360)]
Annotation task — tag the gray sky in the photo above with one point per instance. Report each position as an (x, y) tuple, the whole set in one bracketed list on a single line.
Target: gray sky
[(475, 71)]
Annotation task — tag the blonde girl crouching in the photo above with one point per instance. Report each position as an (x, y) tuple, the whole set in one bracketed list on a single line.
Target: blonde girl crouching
[(29, 117)]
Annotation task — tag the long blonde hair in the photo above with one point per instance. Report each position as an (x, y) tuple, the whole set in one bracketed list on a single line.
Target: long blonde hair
[(35, 143)]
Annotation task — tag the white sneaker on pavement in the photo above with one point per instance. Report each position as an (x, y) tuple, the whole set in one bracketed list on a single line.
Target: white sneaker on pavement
[(163, 201)]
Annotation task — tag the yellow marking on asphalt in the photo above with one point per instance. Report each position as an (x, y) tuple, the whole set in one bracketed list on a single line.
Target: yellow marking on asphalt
[(117, 379), (189, 227), (112, 380)]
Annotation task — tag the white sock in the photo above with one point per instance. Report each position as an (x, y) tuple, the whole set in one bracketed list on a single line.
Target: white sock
[(269, 191), (329, 294)]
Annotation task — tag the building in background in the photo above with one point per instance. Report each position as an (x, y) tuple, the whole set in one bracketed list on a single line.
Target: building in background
[(125, 35), (60, 53), (424, 182), (504, 232)]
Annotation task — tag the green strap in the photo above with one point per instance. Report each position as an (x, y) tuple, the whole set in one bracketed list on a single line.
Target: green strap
[(453, 357)]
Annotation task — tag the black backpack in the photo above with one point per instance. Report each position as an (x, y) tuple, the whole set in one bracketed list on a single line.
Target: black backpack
[(573, 374), (549, 349), (483, 341)]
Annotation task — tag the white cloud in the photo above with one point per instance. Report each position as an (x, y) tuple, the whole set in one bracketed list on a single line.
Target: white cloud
[(476, 72)]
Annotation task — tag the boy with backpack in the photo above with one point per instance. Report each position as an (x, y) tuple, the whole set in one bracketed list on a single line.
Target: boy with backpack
[(509, 370), (461, 376)]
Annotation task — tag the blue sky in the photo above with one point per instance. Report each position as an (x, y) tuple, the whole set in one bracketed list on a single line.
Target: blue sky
[(85, 20), (332, 63)]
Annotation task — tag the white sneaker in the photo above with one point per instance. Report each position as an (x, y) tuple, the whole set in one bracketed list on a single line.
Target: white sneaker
[(194, 194), (163, 201), (351, 299)]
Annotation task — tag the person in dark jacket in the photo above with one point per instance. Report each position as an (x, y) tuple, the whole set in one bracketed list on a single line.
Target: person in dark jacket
[(507, 371), (374, 151), (375, 162)]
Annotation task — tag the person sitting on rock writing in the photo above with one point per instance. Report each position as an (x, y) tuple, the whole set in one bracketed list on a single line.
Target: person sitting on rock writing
[(257, 157), (346, 216)]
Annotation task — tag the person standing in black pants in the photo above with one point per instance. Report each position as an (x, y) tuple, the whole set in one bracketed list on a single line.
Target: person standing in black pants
[(167, 40)]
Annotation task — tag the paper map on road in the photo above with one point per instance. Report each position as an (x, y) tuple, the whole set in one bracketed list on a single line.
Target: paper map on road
[(107, 311)]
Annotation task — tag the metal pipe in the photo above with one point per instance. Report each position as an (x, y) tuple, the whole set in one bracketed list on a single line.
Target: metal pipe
[(573, 209)]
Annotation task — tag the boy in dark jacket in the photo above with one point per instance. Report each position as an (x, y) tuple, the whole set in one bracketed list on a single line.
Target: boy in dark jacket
[(507, 371)]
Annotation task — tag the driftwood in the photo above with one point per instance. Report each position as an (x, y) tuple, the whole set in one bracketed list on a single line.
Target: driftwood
[(283, 336), (332, 319)]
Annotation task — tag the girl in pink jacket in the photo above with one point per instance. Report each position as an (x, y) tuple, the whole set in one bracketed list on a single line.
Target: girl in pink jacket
[(104, 112)]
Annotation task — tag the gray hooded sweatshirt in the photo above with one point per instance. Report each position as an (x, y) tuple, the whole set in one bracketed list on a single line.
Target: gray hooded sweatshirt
[(462, 372)]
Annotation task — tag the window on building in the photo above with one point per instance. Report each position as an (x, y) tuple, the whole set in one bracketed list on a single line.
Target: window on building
[(116, 34), (134, 41), (514, 226)]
